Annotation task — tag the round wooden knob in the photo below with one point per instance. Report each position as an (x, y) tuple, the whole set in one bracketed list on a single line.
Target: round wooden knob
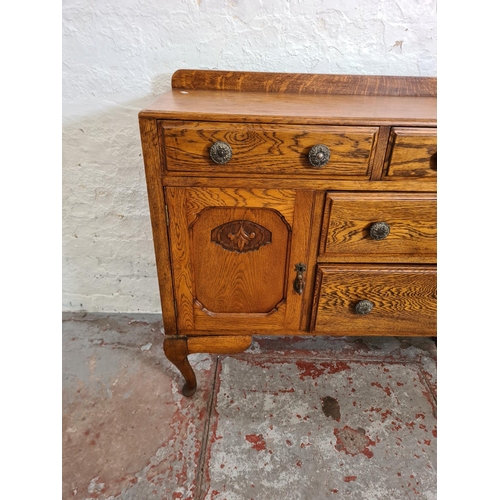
[(363, 307), (221, 152), (319, 155), (379, 230)]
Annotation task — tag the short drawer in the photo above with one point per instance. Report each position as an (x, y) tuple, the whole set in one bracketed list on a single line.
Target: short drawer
[(375, 300), (379, 227), (412, 153), (267, 149)]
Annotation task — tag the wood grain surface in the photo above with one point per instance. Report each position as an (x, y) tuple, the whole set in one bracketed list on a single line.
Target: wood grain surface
[(297, 182), (282, 200), (258, 149), (303, 251), (412, 219), (152, 166), (248, 81), (233, 282), (380, 153), (223, 344), (293, 109), (404, 299), (313, 223), (412, 153)]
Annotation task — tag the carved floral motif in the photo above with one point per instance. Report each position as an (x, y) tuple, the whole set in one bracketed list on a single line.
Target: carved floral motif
[(241, 236)]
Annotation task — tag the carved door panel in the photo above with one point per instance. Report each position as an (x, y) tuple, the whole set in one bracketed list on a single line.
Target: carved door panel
[(234, 253)]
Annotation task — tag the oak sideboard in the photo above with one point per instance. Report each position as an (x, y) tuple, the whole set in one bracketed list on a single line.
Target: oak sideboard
[(291, 204)]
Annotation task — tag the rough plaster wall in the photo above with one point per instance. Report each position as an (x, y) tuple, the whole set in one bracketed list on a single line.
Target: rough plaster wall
[(118, 56)]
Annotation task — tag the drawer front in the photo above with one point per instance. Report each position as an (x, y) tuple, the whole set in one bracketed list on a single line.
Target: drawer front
[(379, 227), (412, 153), (403, 300), (268, 149)]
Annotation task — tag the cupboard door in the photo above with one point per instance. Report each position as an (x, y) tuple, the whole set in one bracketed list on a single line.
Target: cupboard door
[(233, 257)]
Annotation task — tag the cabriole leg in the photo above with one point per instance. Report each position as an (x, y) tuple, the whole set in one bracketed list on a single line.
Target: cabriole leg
[(176, 351)]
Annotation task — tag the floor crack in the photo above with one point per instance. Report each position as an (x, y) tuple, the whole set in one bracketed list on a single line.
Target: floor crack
[(205, 442)]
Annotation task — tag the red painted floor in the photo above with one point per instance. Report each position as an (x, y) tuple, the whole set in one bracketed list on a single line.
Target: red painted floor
[(291, 418)]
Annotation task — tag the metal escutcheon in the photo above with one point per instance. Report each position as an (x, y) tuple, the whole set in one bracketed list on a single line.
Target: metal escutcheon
[(379, 230), (363, 307), (319, 155), (299, 282), (221, 152)]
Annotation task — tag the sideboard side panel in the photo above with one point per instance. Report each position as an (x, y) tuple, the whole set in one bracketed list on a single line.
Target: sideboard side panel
[(152, 165)]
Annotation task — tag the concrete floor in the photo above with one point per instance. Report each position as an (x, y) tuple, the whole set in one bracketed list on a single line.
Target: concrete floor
[(289, 419)]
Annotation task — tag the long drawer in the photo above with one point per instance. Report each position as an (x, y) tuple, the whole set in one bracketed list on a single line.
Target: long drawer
[(228, 148), (379, 227), (375, 300)]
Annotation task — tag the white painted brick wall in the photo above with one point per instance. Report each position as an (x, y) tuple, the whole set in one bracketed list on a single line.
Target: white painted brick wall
[(119, 56)]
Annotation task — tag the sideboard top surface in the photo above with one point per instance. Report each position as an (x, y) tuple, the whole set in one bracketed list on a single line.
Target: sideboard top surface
[(261, 107), (298, 98)]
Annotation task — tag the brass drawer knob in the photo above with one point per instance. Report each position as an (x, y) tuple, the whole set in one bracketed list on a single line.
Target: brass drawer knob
[(221, 152), (319, 155), (363, 307), (379, 230)]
